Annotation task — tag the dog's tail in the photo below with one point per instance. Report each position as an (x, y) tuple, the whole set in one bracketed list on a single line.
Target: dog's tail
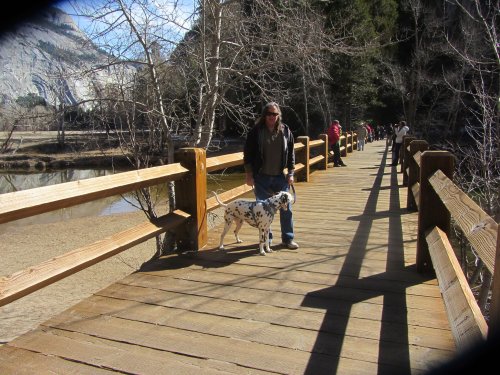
[(218, 200)]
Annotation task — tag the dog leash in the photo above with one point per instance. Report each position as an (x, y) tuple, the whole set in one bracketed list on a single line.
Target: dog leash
[(294, 194)]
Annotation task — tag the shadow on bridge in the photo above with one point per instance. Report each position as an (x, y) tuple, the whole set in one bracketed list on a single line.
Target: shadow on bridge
[(394, 310)]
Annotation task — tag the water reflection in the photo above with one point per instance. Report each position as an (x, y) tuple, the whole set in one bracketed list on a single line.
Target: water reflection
[(10, 182)]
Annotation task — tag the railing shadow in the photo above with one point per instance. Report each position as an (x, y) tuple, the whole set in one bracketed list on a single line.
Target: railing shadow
[(394, 309), (211, 257)]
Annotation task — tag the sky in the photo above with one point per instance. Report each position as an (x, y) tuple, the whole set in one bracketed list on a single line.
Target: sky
[(184, 8)]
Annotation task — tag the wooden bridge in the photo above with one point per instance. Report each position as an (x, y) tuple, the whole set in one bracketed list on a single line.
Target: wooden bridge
[(348, 301)]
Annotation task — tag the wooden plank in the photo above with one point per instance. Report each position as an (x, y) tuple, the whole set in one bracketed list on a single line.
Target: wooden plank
[(228, 196), (119, 300), (34, 278), (417, 156), (431, 209), (97, 352), (298, 146), (316, 159), (196, 344), (467, 322), (348, 301), (191, 196), (254, 330), (494, 321), (338, 293), (26, 362), (21, 204), (363, 309), (415, 189), (216, 163), (299, 167), (316, 143), (479, 228)]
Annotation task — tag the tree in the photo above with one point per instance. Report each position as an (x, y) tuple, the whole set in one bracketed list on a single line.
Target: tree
[(134, 35), (476, 47)]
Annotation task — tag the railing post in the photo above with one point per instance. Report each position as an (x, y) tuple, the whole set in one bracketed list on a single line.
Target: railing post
[(324, 164), (190, 196), (406, 157), (343, 142), (354, 141), (414, 171), (494, 321), (431, 210), (303, 157)]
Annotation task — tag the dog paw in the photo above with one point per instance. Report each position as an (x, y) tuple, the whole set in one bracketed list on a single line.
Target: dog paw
[(221, 248), (262, 253), (239, 241)]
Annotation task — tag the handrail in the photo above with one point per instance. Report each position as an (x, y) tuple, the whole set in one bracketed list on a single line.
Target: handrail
[(432, 192), (25, 203), (37, 277), (216, 163), (188, 221), (478, 227)]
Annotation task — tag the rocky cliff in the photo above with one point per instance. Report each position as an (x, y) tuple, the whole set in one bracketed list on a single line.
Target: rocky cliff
[(48, 59)]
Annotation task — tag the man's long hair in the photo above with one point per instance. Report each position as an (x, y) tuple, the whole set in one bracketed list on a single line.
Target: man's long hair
[(262, 119)]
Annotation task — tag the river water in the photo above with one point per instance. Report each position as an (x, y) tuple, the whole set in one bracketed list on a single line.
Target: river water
[(10, 182)]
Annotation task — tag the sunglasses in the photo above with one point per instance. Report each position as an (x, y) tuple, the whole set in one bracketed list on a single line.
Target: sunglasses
[(272, 114)]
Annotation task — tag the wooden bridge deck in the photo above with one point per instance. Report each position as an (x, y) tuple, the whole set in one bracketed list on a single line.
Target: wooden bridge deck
[(349, 301)]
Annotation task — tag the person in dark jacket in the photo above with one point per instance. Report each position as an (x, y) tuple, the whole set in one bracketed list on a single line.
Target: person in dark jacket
[(269, 149)]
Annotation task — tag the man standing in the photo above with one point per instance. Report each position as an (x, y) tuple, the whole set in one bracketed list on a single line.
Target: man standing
[(401, 131), (269, 149), (334, 132), (362, 132)]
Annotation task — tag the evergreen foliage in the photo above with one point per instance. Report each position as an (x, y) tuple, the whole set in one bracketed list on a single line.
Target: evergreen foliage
[(30, 101)]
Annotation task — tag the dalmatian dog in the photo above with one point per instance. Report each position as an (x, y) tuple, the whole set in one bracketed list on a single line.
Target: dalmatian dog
[(259, 214)]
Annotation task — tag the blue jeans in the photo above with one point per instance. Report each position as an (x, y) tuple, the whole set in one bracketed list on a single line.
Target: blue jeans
[(361, 144), (266, 186)]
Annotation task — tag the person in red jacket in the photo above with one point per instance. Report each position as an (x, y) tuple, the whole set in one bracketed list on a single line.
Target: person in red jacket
[(334, 132)]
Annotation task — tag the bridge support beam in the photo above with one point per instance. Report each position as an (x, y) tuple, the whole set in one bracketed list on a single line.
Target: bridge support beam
[(324, 151), (191, 197), (405, 164), (414, 171), (303, 158), (432, 211)]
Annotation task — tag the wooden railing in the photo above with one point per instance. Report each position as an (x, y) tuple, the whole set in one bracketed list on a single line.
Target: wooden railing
[(429, 178), (188, 221)]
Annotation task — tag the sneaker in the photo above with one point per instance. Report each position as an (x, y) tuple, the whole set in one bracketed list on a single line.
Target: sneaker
[(343, 165), (292, 245), (336, 165)]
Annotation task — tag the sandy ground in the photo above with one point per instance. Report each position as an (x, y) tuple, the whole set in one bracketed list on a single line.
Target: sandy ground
[(22, 246), (28, 245)]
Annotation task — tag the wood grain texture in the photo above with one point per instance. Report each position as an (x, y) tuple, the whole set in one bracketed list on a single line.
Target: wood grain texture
[(21, 204), (227, 196), (479, 228), (466, 319), (217, 163), (34, 278), (348, 301)]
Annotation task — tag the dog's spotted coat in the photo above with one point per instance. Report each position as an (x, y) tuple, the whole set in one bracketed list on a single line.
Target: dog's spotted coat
[(259, 214)]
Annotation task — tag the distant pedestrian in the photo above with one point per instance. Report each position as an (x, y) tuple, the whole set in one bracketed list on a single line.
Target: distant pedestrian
[(393, 136), (334, 132), (369, 132), (362, 133), (401, 131)]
